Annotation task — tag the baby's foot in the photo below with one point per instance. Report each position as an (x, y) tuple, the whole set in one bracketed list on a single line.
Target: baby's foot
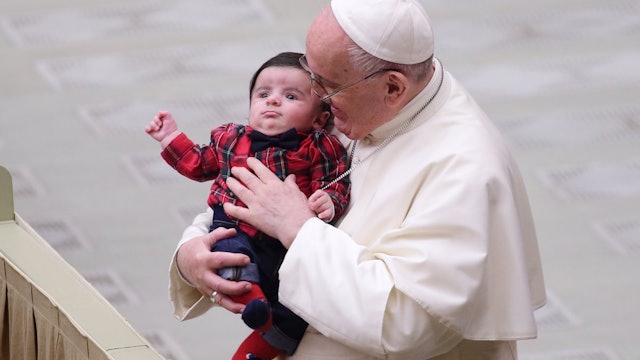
[(257, 314)]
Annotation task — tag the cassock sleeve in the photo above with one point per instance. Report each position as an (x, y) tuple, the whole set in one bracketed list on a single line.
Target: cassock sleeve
[(386, 323), (187, 301)]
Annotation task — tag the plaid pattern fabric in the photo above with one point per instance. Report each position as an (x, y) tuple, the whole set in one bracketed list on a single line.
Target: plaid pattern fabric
[(319, 159)]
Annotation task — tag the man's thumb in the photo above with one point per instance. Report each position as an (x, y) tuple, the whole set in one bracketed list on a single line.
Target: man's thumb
[(291, 179)]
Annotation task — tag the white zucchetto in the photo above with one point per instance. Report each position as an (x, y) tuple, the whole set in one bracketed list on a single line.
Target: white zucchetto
[(398, 31)]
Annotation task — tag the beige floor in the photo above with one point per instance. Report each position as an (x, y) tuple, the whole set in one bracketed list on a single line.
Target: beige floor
[(80, 80)]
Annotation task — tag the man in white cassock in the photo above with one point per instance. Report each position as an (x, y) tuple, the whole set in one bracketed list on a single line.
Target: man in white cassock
[(437, 257)]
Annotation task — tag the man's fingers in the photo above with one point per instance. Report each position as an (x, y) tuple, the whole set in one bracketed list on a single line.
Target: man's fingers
[(261, 170), (221, 259), (254, 175), (291, 180), (247, 182), (228, 287), (209, 239), (245, 176), (229, 304), (220, 233), (239, 189), (236, 211)]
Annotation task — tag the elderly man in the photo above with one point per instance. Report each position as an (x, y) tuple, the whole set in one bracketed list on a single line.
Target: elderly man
[(437, 256)]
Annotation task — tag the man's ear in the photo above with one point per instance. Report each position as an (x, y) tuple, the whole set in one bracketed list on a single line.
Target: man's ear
[(321, 120), (396, 87)]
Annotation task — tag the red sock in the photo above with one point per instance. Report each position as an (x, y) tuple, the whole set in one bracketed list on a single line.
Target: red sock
[(254, 293), (255, 344)]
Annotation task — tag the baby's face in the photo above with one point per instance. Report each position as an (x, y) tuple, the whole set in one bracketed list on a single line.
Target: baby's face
[(282, 99)]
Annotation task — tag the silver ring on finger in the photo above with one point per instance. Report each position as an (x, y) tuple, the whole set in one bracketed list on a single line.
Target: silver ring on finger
[(213, 297)]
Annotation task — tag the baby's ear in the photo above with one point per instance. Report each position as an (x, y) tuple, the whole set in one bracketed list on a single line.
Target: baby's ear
[(321, 120)]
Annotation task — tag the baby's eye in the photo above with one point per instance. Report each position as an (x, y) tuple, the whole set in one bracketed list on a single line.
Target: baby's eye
[(263, 94), (291, 97)]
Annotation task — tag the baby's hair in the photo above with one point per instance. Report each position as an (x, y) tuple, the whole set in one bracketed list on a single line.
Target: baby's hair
[(284, 59)]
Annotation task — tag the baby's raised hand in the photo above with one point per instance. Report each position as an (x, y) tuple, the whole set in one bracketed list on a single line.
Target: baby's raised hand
[(162, 126)]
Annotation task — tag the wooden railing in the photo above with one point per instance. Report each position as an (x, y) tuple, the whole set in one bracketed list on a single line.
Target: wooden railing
[(47, 309)]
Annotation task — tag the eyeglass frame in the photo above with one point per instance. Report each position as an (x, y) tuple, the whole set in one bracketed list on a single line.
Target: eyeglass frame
[(327, 97)]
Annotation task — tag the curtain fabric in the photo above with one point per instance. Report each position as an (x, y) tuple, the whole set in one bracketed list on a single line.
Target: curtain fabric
[(32, 327)]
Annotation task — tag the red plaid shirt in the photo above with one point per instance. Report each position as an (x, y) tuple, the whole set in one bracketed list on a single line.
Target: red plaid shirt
[(320, 159)]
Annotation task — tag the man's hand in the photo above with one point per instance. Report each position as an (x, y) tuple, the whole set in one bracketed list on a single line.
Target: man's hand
[(277, 208), (198, 265)]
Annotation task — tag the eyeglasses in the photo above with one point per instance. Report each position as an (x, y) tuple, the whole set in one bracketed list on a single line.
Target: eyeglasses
[(321, 92)]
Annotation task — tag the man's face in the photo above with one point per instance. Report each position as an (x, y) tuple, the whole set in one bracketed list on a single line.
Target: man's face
[(357, 110)]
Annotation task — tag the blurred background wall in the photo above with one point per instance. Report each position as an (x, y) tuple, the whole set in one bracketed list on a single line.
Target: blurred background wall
[(80, 80)]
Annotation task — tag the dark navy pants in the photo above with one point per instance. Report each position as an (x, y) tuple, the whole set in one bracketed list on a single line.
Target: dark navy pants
[(266, 254)]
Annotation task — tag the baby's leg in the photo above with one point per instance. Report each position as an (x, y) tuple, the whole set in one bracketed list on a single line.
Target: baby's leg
[(255, 347)]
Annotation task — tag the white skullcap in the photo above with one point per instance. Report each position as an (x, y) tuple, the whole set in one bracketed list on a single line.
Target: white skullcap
[(398, 31)]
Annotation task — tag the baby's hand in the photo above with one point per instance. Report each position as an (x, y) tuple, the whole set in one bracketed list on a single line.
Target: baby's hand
[(163, 128), (320, 203)]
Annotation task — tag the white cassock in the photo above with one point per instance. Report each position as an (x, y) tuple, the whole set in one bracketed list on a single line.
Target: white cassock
[(437, 257)]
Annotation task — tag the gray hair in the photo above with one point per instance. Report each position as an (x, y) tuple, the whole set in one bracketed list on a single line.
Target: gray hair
[(367, 63)]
